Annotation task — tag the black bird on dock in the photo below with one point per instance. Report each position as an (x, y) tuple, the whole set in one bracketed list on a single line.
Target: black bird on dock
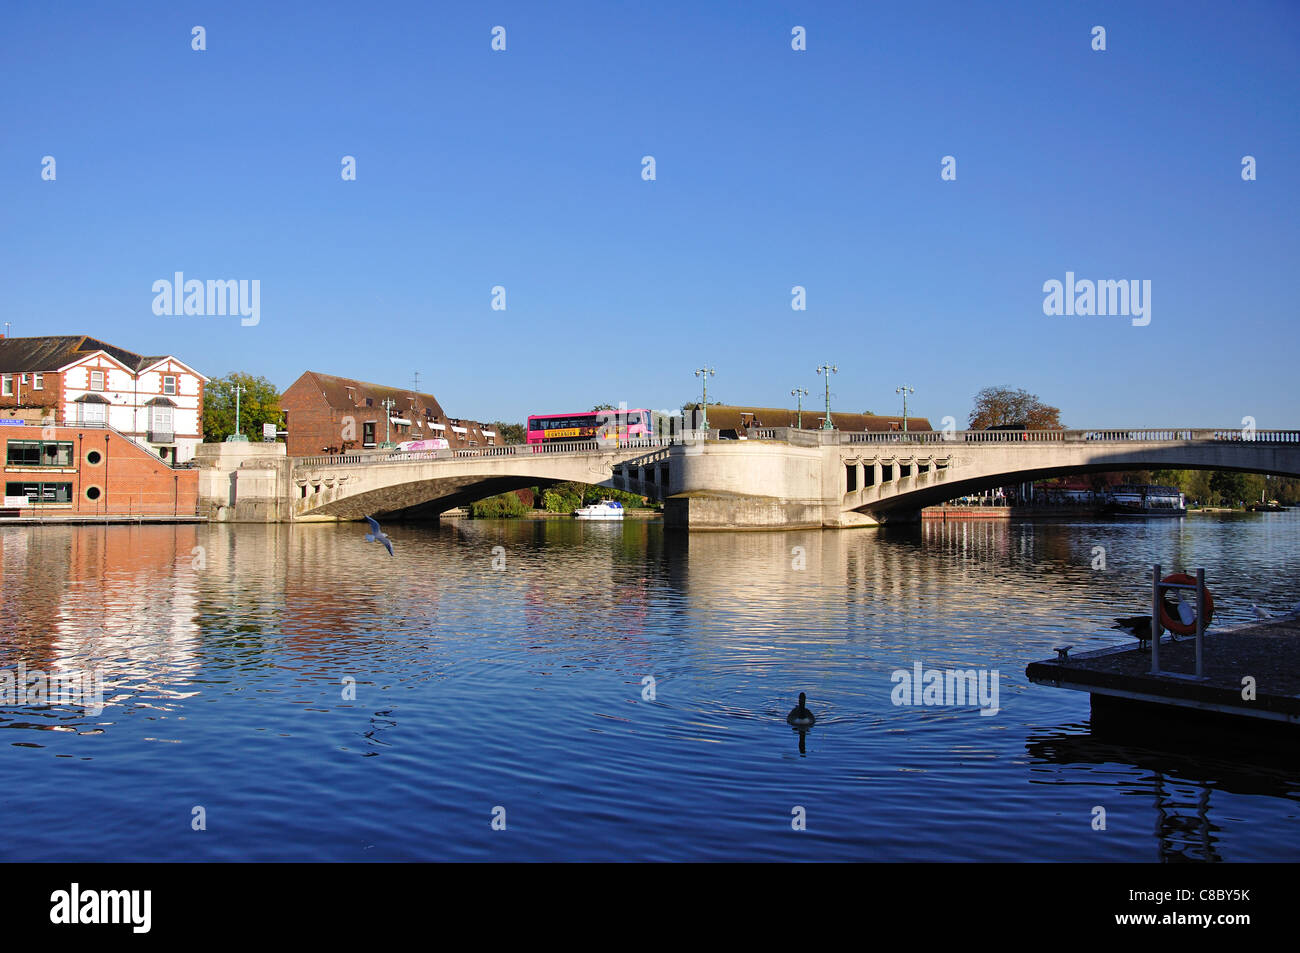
[(800, 716), (1138, 626)]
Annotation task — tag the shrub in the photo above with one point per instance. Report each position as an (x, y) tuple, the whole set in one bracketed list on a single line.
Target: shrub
[(505, 506)]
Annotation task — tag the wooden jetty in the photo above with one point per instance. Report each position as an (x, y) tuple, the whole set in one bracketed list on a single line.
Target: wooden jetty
[(1242, 681), (1127, 695)]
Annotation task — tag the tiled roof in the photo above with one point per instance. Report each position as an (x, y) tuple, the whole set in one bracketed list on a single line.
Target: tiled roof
[(336, 394), (726, 417), (51, 352)]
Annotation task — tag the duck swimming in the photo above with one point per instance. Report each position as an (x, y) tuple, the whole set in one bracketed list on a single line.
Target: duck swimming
[(800, 716)]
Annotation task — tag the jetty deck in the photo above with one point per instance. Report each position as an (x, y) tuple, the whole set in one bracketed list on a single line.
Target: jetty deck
[(1123, 687)]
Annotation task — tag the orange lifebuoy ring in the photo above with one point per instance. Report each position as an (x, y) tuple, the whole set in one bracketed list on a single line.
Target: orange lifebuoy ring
[(1168, 612)]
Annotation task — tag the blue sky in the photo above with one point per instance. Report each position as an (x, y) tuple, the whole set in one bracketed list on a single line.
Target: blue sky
[(775, 168)]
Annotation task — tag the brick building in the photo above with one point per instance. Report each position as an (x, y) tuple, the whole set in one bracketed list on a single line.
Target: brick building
[(76, 380), (89, 471), (328, 414)]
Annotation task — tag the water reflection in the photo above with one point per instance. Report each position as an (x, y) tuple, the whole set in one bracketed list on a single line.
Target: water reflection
[(237, 643)]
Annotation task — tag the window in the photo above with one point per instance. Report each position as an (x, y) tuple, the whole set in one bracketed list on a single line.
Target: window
[(39, 453), (368, 434), (38, 382), (160, 424), (41, 492), (92, 414), (7, 385), (96, 380), (169, 384)]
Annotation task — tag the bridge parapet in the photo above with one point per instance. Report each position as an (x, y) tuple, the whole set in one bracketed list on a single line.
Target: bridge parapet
[(1167, 435), (368, 457)]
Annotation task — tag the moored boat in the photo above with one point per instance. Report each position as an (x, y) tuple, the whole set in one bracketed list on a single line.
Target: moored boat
[(1146, 500), (604, 510)]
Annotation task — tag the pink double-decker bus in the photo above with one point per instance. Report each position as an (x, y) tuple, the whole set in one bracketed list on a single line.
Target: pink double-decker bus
[(607, 426)]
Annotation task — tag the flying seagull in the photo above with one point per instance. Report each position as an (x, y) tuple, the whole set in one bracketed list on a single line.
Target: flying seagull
[(376, 535)]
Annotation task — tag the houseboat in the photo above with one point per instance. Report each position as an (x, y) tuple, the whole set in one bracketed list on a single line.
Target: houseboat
[(1146, 500)]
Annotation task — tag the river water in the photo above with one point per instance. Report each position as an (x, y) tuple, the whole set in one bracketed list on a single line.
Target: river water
[(301, 695)]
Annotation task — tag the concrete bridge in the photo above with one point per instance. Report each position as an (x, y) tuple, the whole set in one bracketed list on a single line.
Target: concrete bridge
[(779, 479)]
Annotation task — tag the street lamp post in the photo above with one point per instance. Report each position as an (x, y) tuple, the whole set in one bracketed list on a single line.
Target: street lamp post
[(704, 373), (904, 390), (388, 406), (237, 437), (799, 393), (828, 370)]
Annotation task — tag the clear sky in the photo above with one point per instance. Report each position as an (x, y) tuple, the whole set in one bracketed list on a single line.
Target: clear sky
[(775, 168)]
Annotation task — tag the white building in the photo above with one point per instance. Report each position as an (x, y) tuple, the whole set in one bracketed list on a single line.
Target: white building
[(81, 381)]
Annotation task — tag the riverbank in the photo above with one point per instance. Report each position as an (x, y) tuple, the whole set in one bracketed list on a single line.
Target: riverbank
[(639, 514)]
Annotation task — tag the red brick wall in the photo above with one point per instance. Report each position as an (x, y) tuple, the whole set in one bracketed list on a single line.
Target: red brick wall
[(130, 479), (48, 396)]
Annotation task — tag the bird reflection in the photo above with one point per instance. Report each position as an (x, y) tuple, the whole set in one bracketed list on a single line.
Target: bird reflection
[(379, 723), (803, 737)]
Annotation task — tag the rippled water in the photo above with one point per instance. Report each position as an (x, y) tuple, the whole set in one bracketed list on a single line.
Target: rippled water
[(225, 652)]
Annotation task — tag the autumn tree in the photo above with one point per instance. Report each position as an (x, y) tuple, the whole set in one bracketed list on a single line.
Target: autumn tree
[(1002, 406)]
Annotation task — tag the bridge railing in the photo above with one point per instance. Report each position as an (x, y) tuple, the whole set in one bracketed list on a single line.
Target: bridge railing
[(814, 438), (1072, 436), (367, 457)]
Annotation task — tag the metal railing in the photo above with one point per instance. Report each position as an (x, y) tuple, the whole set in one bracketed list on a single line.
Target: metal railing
[(815, 438), (367, 457), (73, 424), (1143, 435)]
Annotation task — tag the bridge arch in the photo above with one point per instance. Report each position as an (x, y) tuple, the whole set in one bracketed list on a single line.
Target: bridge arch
[(972, 471)]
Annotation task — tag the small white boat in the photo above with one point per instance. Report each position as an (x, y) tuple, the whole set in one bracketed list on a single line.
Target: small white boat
[(604, 510)]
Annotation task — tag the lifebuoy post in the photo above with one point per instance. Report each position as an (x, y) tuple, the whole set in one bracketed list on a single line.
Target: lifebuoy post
[(1162, 618), (1156, 594)]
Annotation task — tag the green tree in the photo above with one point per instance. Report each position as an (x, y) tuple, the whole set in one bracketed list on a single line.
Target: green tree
[(1002, 406), (509, 433), (1230, 486), (259, 403)]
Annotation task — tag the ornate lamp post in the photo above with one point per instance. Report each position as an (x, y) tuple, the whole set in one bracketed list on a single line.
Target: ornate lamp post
[(388, 406), (799, 393), (904, 390), (828, 370), (704, 373), (237, 437)]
